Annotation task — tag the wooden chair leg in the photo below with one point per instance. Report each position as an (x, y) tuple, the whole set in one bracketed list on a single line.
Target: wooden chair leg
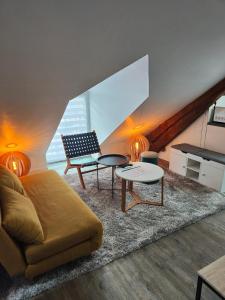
[(81, 178), (66, 170)]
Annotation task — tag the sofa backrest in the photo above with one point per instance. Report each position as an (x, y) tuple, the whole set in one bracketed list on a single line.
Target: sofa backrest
[(11, 256)]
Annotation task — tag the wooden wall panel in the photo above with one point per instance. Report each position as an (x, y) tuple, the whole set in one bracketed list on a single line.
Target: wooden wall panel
[(171, 128)]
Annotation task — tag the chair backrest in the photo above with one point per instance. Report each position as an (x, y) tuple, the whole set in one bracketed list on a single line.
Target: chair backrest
[(81, 144)]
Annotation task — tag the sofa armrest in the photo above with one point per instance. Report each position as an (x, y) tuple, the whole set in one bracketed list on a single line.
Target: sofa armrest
[(11, 256), (96, 240)]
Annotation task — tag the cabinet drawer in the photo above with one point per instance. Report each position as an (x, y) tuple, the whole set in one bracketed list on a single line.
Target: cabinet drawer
[(178, 162), (214, 164), (211, 176)]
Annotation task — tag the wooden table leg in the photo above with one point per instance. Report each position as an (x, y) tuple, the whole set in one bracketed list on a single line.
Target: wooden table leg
[(130, 186), (123, 202), (136, 199)]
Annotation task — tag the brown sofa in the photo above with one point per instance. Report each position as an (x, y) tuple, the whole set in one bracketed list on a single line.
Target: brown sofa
[(71, 229)]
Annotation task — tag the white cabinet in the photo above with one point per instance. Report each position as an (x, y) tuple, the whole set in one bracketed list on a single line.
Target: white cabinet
[(178, 162), (209, 173)]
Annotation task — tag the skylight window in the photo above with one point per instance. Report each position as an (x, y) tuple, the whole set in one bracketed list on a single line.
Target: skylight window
[(75, 120)]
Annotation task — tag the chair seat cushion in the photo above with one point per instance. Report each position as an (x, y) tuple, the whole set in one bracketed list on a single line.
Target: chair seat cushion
[(66, 220), (85, 161)]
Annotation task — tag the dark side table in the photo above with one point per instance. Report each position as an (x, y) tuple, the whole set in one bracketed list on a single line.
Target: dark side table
[(112, 160)]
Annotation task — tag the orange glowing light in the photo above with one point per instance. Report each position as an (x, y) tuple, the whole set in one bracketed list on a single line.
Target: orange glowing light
[(138, 127), (137, 145), (14, 166), (10, 139), (11, 145), (18, 162)]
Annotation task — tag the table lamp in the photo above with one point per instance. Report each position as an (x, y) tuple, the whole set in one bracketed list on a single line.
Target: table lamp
[(16, 161), (137, 145)]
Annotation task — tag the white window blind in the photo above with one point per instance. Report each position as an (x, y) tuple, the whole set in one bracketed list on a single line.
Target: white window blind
[(75, 120), (217, 112)]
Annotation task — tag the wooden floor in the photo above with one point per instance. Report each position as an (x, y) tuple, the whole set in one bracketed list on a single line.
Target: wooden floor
[(165, 269)]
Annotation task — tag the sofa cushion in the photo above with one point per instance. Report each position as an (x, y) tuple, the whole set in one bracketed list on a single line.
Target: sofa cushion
[(66, 220), (19, 217), (9, 179), (83, 249)]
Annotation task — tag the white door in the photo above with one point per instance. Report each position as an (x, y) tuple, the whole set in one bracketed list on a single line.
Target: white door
[(211, 176), (178, 162)]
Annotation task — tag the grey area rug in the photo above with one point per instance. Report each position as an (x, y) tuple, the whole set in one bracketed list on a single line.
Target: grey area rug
[(186, 202)]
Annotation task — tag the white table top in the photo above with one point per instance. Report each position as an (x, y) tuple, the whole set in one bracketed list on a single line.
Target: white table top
[(140, 172)]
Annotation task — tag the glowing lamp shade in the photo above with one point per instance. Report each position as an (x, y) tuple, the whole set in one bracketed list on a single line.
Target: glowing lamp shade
[(17, 162), (137, 145)]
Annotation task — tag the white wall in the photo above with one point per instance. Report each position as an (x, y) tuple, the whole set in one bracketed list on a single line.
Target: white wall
[(215, 139), (52, 51), (114, 99), (200, 134)]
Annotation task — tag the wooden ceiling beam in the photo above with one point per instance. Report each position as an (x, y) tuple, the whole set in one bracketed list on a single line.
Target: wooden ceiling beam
[(172, 127)]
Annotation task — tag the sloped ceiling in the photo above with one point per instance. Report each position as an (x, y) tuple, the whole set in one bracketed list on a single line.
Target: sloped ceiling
[(115, 98), (52, 51)]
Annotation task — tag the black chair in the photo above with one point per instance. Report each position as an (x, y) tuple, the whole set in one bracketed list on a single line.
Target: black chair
[(78, 145)]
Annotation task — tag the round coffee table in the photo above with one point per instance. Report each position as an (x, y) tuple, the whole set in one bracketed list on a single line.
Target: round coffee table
[(139, 172), (112, 160)]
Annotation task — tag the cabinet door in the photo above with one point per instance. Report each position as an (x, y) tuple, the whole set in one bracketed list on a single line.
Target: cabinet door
[(178, 162), (211, 176)]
